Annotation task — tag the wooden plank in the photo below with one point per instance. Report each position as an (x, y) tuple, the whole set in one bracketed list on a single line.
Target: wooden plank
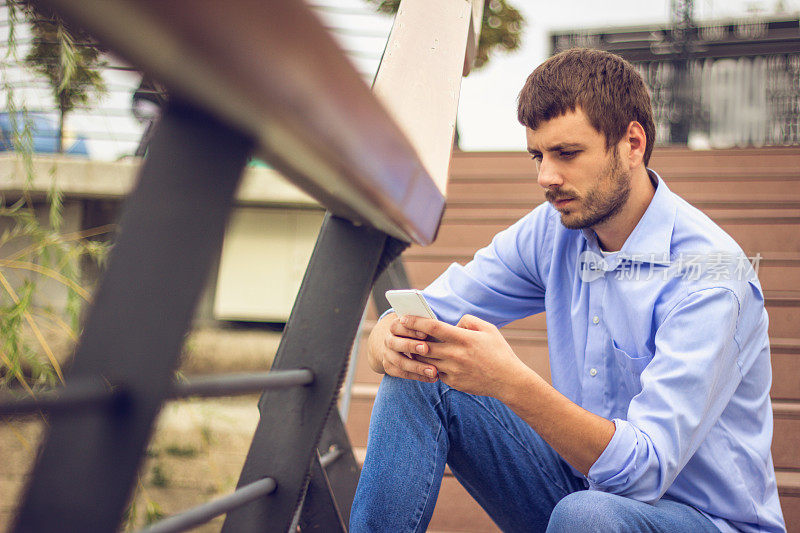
[(271, 70), (422, 95), (786, 434)]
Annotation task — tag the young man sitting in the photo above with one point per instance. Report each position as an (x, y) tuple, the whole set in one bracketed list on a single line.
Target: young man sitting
[(658, 417)]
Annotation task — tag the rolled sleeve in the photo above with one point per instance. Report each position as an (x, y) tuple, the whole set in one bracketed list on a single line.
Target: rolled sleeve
[(685, 389), (503, 282)]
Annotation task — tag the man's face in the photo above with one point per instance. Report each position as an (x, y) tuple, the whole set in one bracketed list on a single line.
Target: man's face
[(585, 182)]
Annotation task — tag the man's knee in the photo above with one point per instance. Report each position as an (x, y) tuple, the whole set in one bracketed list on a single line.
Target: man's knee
[(588, 510), (393, 390)]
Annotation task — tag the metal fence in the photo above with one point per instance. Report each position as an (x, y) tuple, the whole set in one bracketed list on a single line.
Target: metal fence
[(736, 102)]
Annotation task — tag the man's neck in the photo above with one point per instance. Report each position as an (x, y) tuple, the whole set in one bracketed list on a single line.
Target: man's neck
[(613, 233)]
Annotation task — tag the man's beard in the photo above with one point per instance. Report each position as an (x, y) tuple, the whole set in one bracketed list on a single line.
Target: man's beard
[(599, 204)]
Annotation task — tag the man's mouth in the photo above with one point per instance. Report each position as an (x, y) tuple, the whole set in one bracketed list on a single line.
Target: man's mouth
[(562, 202)]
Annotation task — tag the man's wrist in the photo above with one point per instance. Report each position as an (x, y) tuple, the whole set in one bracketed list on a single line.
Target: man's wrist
[(373, 351), (519, 385)]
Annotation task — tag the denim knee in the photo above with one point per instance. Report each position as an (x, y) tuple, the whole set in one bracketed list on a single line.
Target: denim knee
[(394, 389), (586, 510)]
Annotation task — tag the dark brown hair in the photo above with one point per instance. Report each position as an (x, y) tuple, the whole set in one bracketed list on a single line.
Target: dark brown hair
[(606, 87)]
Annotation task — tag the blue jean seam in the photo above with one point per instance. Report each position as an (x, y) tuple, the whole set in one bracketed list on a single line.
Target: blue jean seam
[(421, 510), (511, 434)]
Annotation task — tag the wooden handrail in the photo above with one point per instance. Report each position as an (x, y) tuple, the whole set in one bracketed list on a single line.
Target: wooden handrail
[(271, 70)]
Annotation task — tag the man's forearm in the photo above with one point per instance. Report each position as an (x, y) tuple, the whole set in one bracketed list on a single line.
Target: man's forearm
[(576, 434)]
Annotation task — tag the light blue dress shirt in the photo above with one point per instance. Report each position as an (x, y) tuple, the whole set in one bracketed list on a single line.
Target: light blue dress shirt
[(667, 338)]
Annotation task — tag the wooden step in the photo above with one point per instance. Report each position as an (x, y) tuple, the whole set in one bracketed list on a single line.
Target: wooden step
[(456, 510), (505, 215), (745, 199), (757, 235), (776, 270), (454, 504), (789, 493), (531, 347), (694, 191), (784, 445), (673, 164)]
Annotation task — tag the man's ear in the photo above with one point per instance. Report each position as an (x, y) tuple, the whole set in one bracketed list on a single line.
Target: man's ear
[(637, 140)]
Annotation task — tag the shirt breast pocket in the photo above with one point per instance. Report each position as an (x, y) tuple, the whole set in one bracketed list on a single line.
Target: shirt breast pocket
[(630, 368)]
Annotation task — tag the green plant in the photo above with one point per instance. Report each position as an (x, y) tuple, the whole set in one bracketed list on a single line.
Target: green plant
[(501, 27), (34, 248), (159, 479), (177, 450), (152, 513), (69, 58)]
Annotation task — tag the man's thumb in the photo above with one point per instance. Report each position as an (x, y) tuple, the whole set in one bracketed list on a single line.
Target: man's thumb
[(471, 322)]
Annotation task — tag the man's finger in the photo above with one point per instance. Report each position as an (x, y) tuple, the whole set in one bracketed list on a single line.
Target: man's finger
[(412, 366), (472, 322), (405, 345), (435, 328), (400, 330)]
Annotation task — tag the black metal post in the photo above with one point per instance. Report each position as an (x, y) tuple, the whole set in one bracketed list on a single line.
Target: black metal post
[(318, 336), (171, 230), (320, 512), (343, 472), (394, 277)]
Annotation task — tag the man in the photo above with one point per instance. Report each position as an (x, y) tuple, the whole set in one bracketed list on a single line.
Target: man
[(658, 417)]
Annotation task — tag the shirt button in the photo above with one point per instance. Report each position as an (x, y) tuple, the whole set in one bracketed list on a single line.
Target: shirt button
[(593, 372), (596, 319)]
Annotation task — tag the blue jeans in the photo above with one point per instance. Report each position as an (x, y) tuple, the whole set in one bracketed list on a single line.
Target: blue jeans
[(521, 482)]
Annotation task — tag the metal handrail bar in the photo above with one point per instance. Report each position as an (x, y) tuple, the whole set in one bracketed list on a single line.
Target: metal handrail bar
[(311, 114), (244, 383), (203, 513), (67, 398), (330, 457), (88, 394)]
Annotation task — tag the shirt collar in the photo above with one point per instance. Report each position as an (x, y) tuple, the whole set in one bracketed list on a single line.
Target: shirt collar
[(650, 240)]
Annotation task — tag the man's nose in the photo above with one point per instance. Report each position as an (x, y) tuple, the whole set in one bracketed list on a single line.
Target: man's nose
[(548, 175)]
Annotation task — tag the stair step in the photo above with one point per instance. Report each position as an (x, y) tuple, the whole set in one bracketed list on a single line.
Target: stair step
[(776, 270), (763, 235), (456, 510), (784, 445), (676, 165)]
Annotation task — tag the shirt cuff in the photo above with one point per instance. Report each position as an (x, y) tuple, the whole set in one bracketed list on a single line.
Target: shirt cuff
[(612, 467), (390, 310)]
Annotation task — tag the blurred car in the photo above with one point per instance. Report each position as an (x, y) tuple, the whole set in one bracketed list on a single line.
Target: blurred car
[(44, 130)]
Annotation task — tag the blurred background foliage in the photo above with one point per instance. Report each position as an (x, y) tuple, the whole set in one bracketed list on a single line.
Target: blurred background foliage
[(501, 29)]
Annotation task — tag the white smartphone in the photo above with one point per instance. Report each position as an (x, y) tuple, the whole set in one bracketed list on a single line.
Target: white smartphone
[(410, 302)]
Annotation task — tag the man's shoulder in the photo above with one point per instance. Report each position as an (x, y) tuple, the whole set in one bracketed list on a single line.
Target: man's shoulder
[(704, 256), (697, 232)]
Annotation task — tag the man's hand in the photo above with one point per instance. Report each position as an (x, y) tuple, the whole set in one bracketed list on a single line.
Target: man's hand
[(473, 356), (388, 344)]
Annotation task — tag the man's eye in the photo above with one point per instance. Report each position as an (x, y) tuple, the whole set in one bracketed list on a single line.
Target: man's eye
[(568, 155), (537, 157)]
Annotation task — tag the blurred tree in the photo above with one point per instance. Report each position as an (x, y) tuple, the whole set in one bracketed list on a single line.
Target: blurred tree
[(69, 58), (501, 28)]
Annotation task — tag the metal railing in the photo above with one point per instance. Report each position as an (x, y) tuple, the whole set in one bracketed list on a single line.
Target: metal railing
[(369, 158)]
